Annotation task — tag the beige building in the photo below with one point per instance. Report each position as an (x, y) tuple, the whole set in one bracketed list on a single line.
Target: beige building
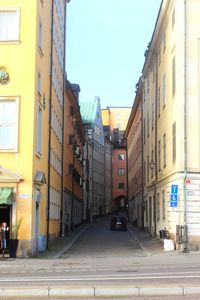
[(133, 135), (171, 140)]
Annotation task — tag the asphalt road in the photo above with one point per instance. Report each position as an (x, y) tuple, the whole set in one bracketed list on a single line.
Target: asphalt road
[(105, 258)]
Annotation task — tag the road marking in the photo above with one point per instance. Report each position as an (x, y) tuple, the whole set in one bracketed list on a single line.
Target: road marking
[(99, 277)]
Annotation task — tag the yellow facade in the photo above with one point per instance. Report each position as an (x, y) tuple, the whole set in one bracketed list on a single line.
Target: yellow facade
[(25, 58), (116, 117)]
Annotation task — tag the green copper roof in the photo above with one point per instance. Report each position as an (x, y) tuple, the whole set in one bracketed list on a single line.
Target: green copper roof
[(88, 111)]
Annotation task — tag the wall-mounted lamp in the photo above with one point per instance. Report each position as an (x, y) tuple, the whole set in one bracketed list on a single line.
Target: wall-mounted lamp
[(152, 165)]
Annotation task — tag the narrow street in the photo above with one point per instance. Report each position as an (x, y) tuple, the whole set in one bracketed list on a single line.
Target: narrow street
[(100, 243)]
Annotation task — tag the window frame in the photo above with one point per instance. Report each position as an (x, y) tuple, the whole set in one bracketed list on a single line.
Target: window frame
[(164, 149), (39, 130), (121, 171), (121, 185), (16, 125), (122, 156), (17, 25)]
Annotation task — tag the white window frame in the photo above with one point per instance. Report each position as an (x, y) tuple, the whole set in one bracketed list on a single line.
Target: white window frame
[(164, 90), (14, 124), (39, 84), (163, 205), (39, 130), (17, 25), (40, 36)]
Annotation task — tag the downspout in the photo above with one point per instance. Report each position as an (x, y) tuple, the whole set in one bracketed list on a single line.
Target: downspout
[(156, 137), (127, 170), (142, 141), (62, 223), (185, 127), (49, 136)]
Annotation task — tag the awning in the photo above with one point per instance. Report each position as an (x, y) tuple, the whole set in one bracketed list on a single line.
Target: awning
[(6, 196), (39, 178)]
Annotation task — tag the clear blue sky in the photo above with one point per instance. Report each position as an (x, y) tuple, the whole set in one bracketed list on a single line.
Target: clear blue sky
[(106, 41)]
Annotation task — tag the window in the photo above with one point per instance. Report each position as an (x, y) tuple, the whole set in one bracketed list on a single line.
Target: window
[(9, 124), (158, 101), (158, 206), (174, 140), (148, 168), (144, 171), (163, 204), (173, 75), (39, 85), (121, 171), (146, 209), (152, 116), (164, 90), (121, 157), (152, 160), (144, 94), (173, 18), (159, 156), (39, 130), (40, 35), (148, 123), (164, 150), (9, 25), (144, 131), (159, 56), (164, 42), (120, 185), (147, 86)]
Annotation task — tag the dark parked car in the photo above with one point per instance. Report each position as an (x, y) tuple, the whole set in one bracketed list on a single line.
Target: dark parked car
[(118, 223)]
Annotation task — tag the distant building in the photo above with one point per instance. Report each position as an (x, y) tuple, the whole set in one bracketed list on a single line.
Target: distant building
[(88, 180), (91, 116), (115, 120), (74, 135), (133, 135)]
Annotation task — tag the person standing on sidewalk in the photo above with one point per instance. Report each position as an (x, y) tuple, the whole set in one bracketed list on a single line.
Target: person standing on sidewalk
[(4, 230)]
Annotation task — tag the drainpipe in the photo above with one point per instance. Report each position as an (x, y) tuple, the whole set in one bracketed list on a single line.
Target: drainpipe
[(156, 138), (49, 136), (62, 222), (185, 127), (127, 170), (142, 141)]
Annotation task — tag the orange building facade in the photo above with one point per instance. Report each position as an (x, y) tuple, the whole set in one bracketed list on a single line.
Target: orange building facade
[(73, 159), (115, 120)]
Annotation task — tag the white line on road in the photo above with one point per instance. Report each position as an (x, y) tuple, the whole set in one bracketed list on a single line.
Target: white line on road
[(97, 277)]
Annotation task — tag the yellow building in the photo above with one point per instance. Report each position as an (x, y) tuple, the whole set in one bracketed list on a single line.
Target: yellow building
[(30, 188), (171, 124)]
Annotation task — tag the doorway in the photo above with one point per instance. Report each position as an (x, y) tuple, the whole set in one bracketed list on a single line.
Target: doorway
[(5, 216)]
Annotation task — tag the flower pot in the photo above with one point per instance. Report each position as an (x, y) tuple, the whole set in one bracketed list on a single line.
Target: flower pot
[(13, 245)]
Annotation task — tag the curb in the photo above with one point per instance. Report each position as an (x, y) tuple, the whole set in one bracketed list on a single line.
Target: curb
[(99, 291)]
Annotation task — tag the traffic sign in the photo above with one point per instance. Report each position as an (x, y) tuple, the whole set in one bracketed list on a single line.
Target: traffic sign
[(173, 204), (174, 189), (173, 200)]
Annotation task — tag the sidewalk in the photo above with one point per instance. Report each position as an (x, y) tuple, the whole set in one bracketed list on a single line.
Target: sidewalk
[(62, 244)]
